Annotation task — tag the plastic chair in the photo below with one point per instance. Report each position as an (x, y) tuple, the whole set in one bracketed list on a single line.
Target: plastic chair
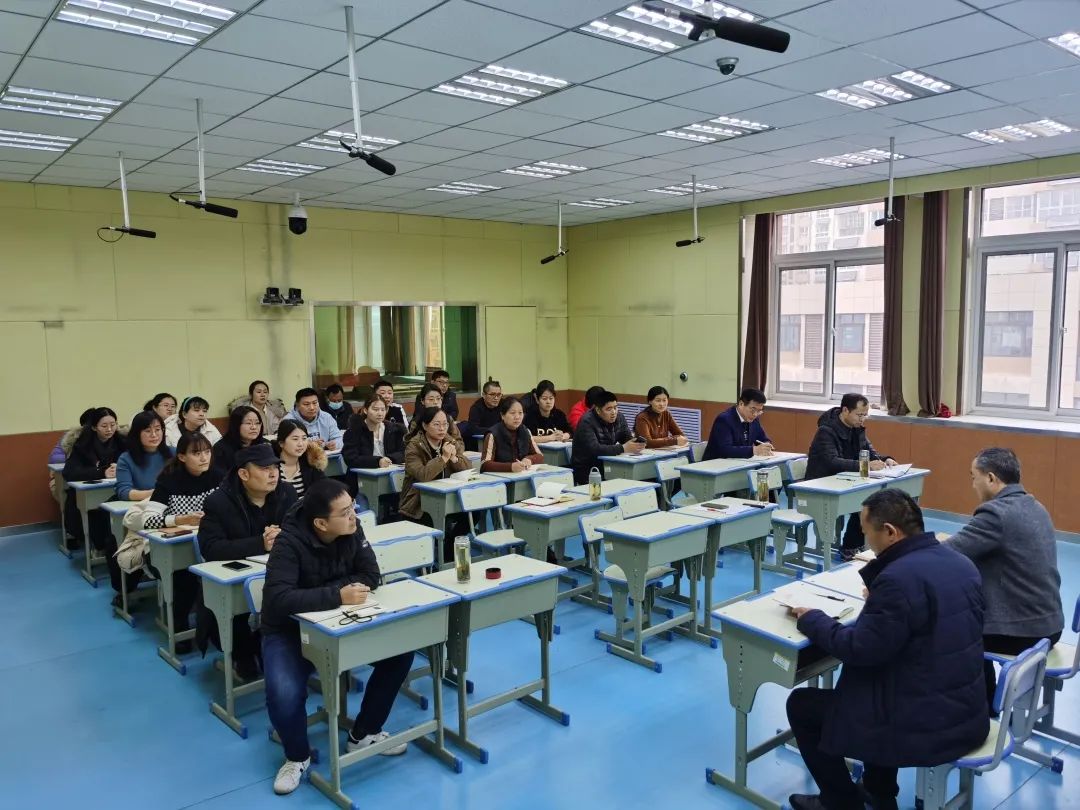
[(796, 471), (367, 520), (784, 521), (490, 497), (667, 474), (636, 502), (590, 539), (697, 451), (253, 592), (1062, 664), (1016, 701)]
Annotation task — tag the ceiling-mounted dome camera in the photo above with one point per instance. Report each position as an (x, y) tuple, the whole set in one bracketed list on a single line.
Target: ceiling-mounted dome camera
[(727, 64), (298, 218)]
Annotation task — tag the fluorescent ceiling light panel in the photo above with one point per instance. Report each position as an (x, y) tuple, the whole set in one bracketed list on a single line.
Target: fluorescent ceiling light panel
[(638, 26), (721, 128), (545, 169), (282, 167), (34, 140), (1070, 41), (1016, 133), (498, 84), (905, 86), (463, 188), (601, 202), (330, 141), (185, 22), (684, 189), (50, 102), (867, 157)]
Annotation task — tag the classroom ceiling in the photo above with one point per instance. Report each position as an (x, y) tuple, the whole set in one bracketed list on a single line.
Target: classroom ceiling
[(274, 75)]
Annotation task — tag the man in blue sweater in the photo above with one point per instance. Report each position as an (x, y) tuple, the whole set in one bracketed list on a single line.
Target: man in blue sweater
[(911, 690), (737, 433)]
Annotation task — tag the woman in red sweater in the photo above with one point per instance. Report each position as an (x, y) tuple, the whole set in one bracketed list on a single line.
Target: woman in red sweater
[(655, 425)]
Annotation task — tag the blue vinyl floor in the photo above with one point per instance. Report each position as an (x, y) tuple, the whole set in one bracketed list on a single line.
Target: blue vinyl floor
[(91, 717)]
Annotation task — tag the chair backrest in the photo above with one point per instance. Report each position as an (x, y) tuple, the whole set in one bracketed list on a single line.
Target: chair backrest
[(483, 495), (554, 477), (589, 522), (637, 502), (665, 468), (1076, 617), (199, 559), (697, 451), (253, 592), (797, 468), (367, 520), (1017, 697), (397, 478), (776, 478)]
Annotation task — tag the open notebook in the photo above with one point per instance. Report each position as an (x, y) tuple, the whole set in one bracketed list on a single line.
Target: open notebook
[(345, 613), (891, 472), (548, 494)]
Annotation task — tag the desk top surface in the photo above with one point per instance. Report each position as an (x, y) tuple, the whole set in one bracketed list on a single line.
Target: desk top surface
[(398, 600), (847, 482), (653, 526), (101, 483), (717, 466), (843, 579), (399, 530), (532, 472), (155, 536), (375, 472), (737, 509), (646, 455), (517, 571), (118, 507), (579, 504), (615, 486), (217, 572), (444, 485), (764, 616), (59, 468)]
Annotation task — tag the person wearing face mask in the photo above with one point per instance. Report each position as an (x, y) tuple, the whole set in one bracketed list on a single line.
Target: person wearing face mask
[(601, 432), (508, 446), (242, 519), (546, 422), (336, 406), (656, 425), (191, 419), (321, 427), (320, 561), (245, 429), (302, 461), (138, 467), (272, 411), (93, 457)]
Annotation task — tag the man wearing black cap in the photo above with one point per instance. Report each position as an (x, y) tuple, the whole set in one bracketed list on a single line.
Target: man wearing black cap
[(241, 519)]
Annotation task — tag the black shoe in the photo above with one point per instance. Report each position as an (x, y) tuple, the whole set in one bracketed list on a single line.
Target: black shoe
[(876, 802), (806, 801)]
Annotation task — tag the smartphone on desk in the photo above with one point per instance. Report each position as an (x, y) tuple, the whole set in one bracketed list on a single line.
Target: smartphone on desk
[(177, 532), (236, 565)]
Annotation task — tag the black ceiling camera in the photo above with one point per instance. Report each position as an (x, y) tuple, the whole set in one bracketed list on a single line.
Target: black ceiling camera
[(702, 26), (298, 218), (727, 64)]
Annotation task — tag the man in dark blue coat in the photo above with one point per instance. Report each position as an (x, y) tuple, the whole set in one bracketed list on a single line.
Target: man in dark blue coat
[(737, 432), (911, 689)]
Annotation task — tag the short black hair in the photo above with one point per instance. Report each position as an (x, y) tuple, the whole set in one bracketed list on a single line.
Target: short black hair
[(335, 388), (748, 395), (425, 389), (139, 423), (895, 507), (491, 384), (603, 398), (852, 401), (543, 387), (194, 401), (656, 391), (1001, 462), (382, 383), (304, 393), (439, 372), (251, 388), (506, 403), (320, 496), (157, 400), (236, 418), (592, 393)]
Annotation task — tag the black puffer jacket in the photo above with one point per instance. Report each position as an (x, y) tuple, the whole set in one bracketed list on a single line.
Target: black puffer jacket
[(306, 574), (232, 528), (836, 447)]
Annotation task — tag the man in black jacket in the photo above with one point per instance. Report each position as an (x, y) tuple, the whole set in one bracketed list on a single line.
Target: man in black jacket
[(320, 561), (602, 431), (242, 518), (840, 437)]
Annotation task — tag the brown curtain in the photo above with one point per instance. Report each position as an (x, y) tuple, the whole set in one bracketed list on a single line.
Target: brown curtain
[(756, 352), (892, 387), (932, 300)]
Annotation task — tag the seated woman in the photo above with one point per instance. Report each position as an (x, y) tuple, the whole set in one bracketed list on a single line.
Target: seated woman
[(302, 462), (271, 411), (138, 468), (509, 447), (546, 422), (164, 405), (93, 457), (429, 455), (371, 441), (431, 396), (245, 429), (183, 487), (191, 419), (655, 425)]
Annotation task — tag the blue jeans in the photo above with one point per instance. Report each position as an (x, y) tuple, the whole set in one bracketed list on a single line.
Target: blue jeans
[(287, 671)]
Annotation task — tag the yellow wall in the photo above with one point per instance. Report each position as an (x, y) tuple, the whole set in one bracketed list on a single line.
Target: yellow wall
[(642, 310), (83, 322)]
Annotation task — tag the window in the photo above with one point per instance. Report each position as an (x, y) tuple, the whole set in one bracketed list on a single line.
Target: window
[(1029, 208), (356, 344), (850, 333), (828, 229), (802, 305), (790, 333), (1008, 334)]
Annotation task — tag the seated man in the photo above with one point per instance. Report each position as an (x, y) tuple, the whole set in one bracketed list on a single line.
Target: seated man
[(384, 390), (601, 432), (840, 437), (449, 397), (911, 691), (337, 407), (320, 561), (321, 427), (484, 413), (1011, 541), (241, 519), (737, 433)]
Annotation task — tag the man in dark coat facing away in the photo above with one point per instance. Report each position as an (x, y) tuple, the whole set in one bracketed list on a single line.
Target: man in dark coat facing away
[(911, 690)]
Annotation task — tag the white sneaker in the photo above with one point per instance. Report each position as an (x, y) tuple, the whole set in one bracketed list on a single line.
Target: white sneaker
[(289, 776), (371, 739)]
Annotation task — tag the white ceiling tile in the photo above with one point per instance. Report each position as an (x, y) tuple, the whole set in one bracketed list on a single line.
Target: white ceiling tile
[(834, 69), (658, 79), (954, 103), (588, 135), (319, 157), (467, 139), (46, 124), (33, 8), (151, 115), (981, 119), (440, 109), (522, 123), (527, 151), (314, 184), (798, 110), (582, 103), (445, 173), (934, 146), (1064, 108), (103, 162), (775, 8), (396, 128), (754, 60), (851, 123), (731, 96), (1042, 85), (17, 31), (230, 188), (485, 162), (596, 158), (851, 21), (650, 145), (654, 167), (265, 131), (333, 89), (307, 46), (151, 136), (372, 19), (8, 61), (473, 32), (802, 168), (421, 154), (1042, 18), (49, 74), (13, 170), (1046, 147), (654, 117), (181, 96), (237, 72), (577, 57), (406, 65), (963, 36), (913, 167), (703, 156), (748, 163), (73, 176), (299, 113), (600, 177), (31, 157), (1007, 63), (108, 49), (822, 148), (976, 155), (137, 151)]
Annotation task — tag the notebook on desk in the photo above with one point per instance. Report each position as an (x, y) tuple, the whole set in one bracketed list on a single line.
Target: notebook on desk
[(548, 494), (891, 472)]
